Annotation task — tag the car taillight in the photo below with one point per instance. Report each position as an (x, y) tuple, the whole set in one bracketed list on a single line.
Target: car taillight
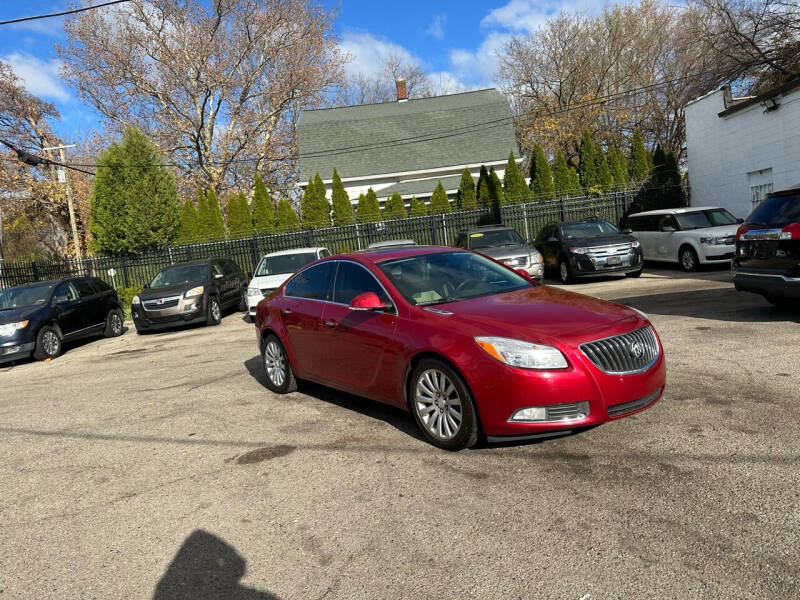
[(791, 232), (741, 231)]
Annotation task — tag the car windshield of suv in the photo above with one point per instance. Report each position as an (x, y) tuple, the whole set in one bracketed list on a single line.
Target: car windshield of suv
[(440, 277), (705, 218), (491, 239), (777, 210), (179, 275), (587, 229), (284, 263), (29, 295)]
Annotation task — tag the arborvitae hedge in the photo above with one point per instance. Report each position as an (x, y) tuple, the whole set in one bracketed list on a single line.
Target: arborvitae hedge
[(188, 233), (240, 221), (495, 188), (395, 208), (212, 220), (342, 208), (417, 208), (639, 166), (541, 175), (482, 189), (467, 199), (439, 202), (369, 209), (515, 189), (285, 217), (605, 181), (587, 162), (263, 209)]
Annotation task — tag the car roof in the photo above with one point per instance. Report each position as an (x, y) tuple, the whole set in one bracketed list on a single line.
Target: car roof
[(295, 251), (674, 211)]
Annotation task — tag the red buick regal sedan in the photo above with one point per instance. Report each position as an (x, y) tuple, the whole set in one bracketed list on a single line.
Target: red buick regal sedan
[(470, 347)]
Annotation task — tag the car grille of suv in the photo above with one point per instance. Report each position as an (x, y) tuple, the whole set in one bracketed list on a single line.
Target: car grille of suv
[(631, 352), (616, 410), (161, 303), (606, 251)]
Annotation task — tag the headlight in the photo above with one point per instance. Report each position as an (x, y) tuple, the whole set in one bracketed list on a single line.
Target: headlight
[(635, 244), (579, 250), (195, 291), (11, 328), (135, 300), (525, 355), (707, 240), (535, 257), (251, 291)]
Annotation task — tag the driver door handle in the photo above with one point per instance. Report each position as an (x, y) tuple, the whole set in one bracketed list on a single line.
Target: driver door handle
[(286, 311), (329, 323)]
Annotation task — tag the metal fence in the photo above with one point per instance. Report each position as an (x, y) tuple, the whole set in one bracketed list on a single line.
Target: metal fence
[(441, 229)]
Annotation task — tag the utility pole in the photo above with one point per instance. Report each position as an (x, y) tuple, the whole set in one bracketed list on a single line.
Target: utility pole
[(62, 174)]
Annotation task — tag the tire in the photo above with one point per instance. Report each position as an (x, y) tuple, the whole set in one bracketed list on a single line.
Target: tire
[(564, 272), (277, 368), (442, 405), (687, 258), (48, 343), (635, 273), (243, 301), (115, 323), (213, 311)]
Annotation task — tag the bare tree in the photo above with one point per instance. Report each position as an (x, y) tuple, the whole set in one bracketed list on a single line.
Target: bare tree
[(218, 85)]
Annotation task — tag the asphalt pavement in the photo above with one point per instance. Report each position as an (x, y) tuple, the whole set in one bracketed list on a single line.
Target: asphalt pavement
[(159, 466)]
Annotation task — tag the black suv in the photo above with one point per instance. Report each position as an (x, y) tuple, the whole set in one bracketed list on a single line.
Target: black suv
[(190, 292), (503, 244), (589, 248), (36, 318), (767, 258)]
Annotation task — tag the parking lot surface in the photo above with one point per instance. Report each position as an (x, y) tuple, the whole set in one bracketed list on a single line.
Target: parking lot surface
[(159, 466)]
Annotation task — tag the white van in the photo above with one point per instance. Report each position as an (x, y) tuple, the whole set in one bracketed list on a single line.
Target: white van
[(688, 236), (274, 269)]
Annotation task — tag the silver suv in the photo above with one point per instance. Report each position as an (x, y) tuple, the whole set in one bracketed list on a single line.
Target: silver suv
[(504, 244)]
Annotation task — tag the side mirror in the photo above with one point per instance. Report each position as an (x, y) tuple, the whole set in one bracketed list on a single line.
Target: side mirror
[(146, 285), (368, 301), (218, 275), (667, 229), (60, 299), (627, 230), (740, 220), (523, 273)]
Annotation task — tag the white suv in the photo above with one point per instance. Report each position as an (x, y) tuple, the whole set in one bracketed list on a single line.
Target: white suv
[(274, 269), (688, 236)]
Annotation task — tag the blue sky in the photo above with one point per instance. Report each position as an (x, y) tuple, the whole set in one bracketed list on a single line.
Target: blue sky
[(450, 39)]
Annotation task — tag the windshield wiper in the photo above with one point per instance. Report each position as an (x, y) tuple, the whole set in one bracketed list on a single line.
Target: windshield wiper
[(444, 300)]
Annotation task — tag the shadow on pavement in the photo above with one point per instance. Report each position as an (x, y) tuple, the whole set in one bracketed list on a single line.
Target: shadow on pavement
[(206, 568), (724, 304)]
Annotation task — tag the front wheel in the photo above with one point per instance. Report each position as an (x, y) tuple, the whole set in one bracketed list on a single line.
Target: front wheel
[(48, 343), (243, 301), (634, 273), (442, 406), (214, 316), (114, 323), (280, 377), (688, 259), (565, 272)]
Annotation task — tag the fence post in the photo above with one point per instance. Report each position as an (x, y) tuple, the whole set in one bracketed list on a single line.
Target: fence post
[(444, 228), (525, 218), (434, 236), (125, 280), (171, 260), (563, 209), (253, 253)]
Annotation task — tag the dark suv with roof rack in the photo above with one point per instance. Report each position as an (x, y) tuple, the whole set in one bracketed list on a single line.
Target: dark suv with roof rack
[(767, 259)]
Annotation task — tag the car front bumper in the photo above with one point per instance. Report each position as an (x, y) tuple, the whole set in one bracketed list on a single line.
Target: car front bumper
[(188, 311), (716, 253), (536, 270), (15, 350), (583, 266)]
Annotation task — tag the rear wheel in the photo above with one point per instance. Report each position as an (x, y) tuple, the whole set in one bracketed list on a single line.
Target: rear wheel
[(565, 272), (114, 323), (214, 311), (688, 259), (442, 406), (243, 301), (48, 343), (280, 377)]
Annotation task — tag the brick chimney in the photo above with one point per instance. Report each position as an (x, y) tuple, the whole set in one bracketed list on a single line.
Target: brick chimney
[(401, 90)]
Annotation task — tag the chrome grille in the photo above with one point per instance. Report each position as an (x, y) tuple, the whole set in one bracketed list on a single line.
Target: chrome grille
[(613, 250), (631, 352), (626, 407), (161, 303), (568, 412)]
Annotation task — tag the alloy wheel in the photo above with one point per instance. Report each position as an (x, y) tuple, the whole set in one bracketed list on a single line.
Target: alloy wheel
[(50, 343), (275, 363), (687, 259), (216, 313), (438, 404), (564, 272), (116, 324)]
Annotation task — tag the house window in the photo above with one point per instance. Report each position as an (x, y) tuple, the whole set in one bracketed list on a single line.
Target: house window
[(760, 185)]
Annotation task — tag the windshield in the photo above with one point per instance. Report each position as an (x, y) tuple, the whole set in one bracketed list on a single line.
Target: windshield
[(705, 218), (179, 275), (587, 229), (284, 263), (777, 210), (440, 277), (29, 295), (489, 239)]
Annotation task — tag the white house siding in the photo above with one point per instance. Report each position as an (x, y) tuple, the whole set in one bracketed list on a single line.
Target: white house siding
[(735, 160)]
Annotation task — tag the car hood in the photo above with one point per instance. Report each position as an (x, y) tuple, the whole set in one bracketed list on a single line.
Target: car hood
[(539, 314), (169, 290), (601, 240), (15, 315), (269, 281), (501, 252)]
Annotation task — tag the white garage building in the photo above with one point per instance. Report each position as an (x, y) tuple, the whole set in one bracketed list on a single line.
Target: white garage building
[(740, 149)]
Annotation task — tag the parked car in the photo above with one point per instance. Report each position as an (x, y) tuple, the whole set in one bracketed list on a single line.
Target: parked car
[(468, 346), (275, 268), (687, 236), (767, 259), (190, 292), (391, 244), (35, 319), (589, 248), (505, 245)]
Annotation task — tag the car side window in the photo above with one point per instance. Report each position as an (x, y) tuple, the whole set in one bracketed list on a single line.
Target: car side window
[(65, 292), (85, 288), (352, 280), (667, 221), (313, 283), (216, 268), (100, 285), (229, 269), (323, 253)]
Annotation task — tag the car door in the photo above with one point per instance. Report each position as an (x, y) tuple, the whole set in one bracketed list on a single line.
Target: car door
[(66, 305), (301, 307), (364, 341), (233, 281), (91, 303), (666, 241), (220, 282), (548, 245), (638, 225)]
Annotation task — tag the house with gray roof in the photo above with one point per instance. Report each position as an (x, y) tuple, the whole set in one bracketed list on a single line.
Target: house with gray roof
[(407, 146)]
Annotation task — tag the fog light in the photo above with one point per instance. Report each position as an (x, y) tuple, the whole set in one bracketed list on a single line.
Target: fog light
[(532, 413)]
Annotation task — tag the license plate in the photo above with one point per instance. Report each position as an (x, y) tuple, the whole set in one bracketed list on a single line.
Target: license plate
[(613, 260)]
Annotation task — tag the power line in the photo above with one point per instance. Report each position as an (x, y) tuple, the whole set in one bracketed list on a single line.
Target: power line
[(61, 14)]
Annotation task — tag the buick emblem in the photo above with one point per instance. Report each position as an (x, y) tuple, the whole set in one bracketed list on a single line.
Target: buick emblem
[(637, 350)]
